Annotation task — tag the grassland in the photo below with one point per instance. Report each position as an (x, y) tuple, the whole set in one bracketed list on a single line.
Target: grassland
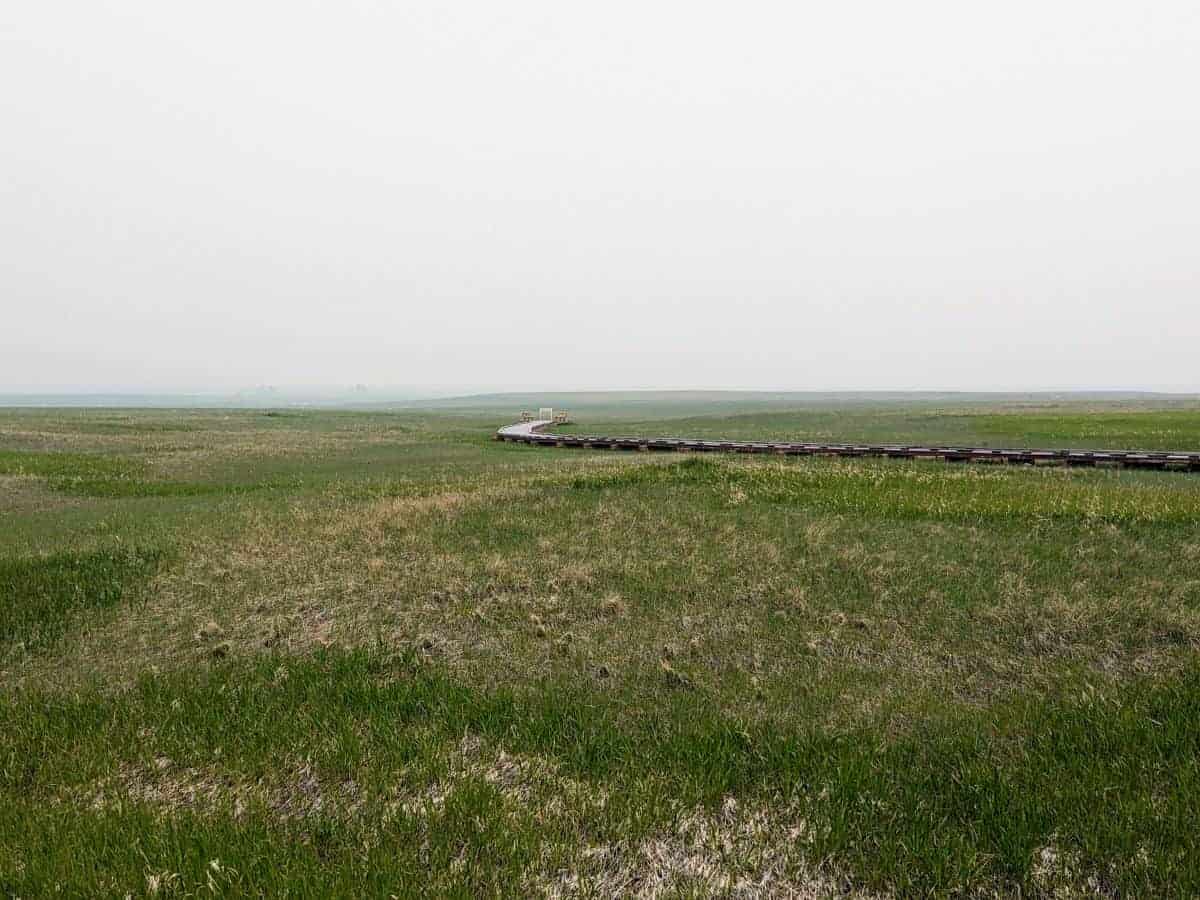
[(377, 653)]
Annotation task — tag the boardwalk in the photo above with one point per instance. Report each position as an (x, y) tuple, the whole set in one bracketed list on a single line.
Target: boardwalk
[(533, 433)]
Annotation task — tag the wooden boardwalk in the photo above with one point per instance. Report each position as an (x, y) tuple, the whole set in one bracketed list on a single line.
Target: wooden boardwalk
[(532, 433)]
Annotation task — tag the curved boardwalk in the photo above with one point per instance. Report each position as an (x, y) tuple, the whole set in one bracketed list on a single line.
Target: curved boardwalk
[(532, 433)]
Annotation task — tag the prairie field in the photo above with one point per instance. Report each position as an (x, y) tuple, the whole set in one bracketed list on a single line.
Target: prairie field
[(377, 653)]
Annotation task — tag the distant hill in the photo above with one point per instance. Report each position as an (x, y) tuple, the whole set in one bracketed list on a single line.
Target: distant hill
[(648, 404), (595, 404)]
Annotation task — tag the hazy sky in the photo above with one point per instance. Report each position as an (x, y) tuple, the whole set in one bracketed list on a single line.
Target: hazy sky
[(565, 195)]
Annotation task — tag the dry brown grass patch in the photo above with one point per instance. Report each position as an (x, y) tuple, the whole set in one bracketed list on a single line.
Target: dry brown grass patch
[(295, 792), (29, 494), (614, 605), (736, 851)]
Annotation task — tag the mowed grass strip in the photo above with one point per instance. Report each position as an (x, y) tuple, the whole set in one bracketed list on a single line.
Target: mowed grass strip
[(39, 595), (1108, 780)]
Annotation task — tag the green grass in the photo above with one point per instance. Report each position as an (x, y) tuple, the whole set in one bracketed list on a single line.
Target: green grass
[(920, 491), (1108, 779), (381, 654), (40, 595), (82, 472), (93, 475)]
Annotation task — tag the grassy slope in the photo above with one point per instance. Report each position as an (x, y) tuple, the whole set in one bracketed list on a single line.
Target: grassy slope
[(323, 652)]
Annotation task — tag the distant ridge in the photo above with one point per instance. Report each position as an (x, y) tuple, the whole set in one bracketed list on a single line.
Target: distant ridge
[(651, 400)]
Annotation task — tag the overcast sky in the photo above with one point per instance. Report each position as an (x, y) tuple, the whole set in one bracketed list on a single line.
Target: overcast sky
[(942, 195)]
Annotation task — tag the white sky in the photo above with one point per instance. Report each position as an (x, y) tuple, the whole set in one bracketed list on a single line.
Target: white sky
[(943, 195)]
